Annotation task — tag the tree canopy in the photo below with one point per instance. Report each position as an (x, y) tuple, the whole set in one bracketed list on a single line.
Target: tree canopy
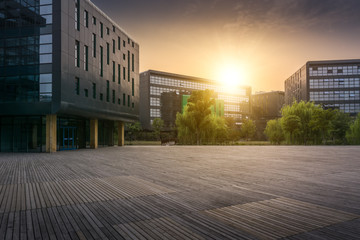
[(197, 125), (307, 123)]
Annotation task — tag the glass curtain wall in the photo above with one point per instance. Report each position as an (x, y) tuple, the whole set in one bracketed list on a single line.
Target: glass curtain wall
[(25, 45)]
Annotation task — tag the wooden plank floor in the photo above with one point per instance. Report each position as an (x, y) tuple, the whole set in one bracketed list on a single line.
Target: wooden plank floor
[(244, 192)]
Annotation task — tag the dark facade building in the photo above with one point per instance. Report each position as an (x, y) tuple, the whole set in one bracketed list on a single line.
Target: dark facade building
[(154, 83), (333, 84), (69, 76), (266, 106)]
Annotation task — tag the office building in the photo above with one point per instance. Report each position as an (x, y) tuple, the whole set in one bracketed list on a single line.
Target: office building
[(69, 76), (154, 83), (266, 106), (333, 84)]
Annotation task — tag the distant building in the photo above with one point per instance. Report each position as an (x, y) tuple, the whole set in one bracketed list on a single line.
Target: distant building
[(154, 83), (334, 84), (68, 76), (266, 106)]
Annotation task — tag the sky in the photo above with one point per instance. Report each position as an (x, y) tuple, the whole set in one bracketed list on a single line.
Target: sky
[(265, 40)]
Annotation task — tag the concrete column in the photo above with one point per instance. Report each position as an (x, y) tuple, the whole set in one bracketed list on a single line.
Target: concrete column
[(94, 124), (51, 133), (121, 139)]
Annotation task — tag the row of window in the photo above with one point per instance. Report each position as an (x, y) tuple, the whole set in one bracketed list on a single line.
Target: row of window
[(101, 26), (101, 61), (334, 83), (336, 70), (26, 50), (347, 108), (334, 95), (192, 85), (232, 108), (233, 99), (101, 95), (157, 91), (155, 102), (155, 113)]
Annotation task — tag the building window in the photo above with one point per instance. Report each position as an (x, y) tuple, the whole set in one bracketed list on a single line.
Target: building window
[(113, 28), (128, 101), (119, 43), (101, 30), (101, 97), (132, 105), (132, 87), (114, 46), (77, 86), (94, 44), (119, 102), (107, 31), (107, 53), (113, 96), (124, 73), (113, 63), (133, 44), (132, 62), (94, 90), (94, 20), (119, 73), (86, 18), (86, 58), (86, 92), (128, 40), (124, 96), (77, 15), (77, 53), (124, 43), (101, 61), (124, 56), (128, 66), (107, 91)]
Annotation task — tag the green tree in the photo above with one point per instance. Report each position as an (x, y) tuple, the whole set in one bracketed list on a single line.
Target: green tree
[(291, 124), (133, 130), (353, 134), (198, 111), (274, 131), (233, 130), (157, 126), (296, 121), (248, 129), (339, 125), (321, 122)]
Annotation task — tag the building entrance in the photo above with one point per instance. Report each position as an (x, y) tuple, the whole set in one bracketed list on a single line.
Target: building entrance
[(69, 138)]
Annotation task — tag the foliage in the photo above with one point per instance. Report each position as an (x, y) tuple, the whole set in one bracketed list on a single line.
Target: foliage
[(353, 134), (307, 123), (274, 131), (339, 126), (157, 126), (233, 133), (291, 125), (133, 130), (321, 122), (248, 129), (195, 120), (296, 121), (196, 125)]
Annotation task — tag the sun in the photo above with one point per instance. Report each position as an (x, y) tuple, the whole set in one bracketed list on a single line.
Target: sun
[(231, 76)]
